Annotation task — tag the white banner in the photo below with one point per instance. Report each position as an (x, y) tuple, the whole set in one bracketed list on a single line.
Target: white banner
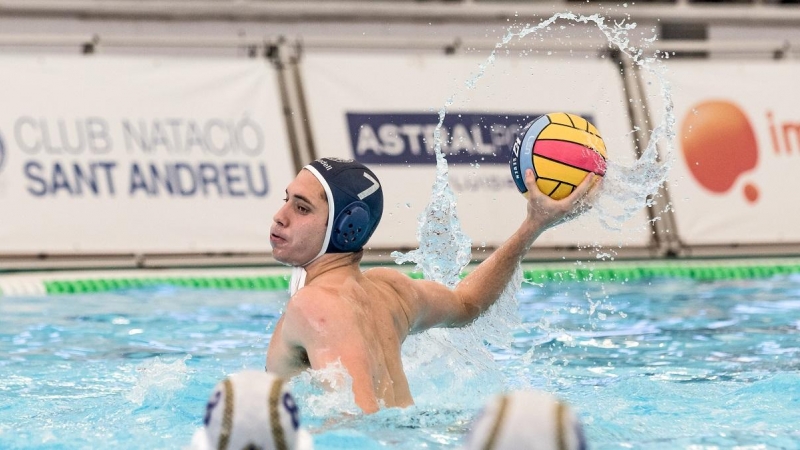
[(734, 177), (115, 155), (382, 110)]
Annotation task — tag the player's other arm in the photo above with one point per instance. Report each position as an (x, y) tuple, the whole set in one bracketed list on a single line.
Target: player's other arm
[(314, 322), (436, 305)]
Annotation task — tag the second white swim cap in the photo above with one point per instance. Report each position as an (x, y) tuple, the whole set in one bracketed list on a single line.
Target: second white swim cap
[(526, 420)]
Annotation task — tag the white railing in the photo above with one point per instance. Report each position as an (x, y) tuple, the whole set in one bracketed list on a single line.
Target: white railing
[(260, 46), (400, 11)]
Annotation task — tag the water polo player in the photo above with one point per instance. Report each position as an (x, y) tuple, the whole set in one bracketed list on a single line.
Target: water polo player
[(337, 313)]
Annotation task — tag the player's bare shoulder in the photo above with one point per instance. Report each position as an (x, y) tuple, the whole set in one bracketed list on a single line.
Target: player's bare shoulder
[(398, 295), (311, 307), (390, 278)]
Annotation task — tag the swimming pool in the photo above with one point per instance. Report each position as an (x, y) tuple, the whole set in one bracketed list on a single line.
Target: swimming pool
[(653, 363)]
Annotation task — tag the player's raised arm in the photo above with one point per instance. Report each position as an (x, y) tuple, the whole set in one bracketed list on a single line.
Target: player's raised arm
[(436, 305)]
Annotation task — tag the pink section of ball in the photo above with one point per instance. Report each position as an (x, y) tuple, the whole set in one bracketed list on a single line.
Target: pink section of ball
[(571, 154)]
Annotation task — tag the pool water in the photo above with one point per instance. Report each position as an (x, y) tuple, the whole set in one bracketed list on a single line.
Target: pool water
[(651, 364)]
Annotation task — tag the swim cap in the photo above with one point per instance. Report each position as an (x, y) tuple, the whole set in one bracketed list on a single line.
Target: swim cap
[(251, 409), (526, 420), (355, 203)]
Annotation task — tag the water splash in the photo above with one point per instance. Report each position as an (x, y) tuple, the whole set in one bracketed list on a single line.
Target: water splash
[(325, 393), (445, 249), (159, 380), (434, 358), (627, 190)]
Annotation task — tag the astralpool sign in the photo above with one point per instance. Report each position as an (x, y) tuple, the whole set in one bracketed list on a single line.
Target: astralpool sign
[(408, 138), (388, 122)]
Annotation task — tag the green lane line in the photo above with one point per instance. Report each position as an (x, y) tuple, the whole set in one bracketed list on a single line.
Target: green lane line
[(704, 271), (695, 272), (90, 285)]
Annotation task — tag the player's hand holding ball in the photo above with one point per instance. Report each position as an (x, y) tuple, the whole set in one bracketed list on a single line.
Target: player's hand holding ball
[(557, 164)]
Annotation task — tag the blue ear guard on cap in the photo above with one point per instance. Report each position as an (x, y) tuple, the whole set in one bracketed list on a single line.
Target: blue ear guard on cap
[(355, 202), (351, 228)]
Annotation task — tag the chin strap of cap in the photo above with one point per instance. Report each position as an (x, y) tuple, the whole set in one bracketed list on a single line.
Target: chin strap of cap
[(299, 274), (298, 279)]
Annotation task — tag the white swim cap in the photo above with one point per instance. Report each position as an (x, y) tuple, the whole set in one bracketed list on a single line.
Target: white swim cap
[(251, 410), (526, 420)]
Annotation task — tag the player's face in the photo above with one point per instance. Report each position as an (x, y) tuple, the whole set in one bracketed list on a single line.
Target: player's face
[(298, 228)]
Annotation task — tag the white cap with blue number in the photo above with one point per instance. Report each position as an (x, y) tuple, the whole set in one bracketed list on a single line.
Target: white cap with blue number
[(251, 409)]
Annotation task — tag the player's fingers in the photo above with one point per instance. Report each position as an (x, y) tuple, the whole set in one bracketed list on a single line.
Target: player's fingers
[(589, 183), (530, 180)]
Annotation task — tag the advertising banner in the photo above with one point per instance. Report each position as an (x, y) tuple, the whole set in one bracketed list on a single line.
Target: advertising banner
[(737, 152), (383, 110), (137, 155)]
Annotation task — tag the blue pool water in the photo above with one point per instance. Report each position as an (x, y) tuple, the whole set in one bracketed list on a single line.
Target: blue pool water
[(658, 364)]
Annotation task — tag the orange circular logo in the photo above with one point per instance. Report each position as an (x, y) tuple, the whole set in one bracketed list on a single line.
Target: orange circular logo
[(719, 145)]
